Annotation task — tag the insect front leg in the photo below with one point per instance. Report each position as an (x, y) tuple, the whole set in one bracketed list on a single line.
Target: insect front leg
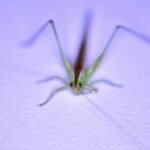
[(52, 94), (89, 89)]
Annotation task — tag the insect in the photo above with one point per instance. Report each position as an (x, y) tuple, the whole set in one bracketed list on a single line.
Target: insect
[(78, 76)]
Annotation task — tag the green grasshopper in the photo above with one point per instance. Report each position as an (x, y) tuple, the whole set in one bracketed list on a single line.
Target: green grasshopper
[(77, 74)]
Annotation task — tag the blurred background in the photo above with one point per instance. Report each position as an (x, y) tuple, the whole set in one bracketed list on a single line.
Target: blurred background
[(117, 118)]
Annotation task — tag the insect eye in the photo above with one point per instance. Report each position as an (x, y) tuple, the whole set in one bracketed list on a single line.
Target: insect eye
[(71, 84), (80, 84)]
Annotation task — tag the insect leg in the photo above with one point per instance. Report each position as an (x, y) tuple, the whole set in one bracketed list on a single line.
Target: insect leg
[(52, 94), (52, 78), (32, 40), (134, 32), (107, 82), (66, 63), (89, 88), (34, 37), (95, 65)]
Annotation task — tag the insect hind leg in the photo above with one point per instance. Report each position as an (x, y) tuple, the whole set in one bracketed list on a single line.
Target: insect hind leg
[(133, 32), (100, 58)]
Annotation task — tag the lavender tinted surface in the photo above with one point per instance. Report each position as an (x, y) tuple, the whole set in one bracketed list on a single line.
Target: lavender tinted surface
[(119, 119)]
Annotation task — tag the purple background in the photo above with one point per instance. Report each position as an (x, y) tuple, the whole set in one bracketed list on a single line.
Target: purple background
[(120, 120)]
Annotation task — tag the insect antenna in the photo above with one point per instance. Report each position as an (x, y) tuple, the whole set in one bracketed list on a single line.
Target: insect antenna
[(128, 135)]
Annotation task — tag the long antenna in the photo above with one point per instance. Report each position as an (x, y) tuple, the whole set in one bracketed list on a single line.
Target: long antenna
[(129, 136)]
